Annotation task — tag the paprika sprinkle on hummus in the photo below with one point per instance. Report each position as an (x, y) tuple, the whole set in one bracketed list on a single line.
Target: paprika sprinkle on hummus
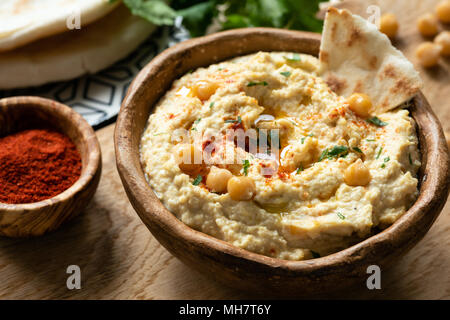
[(37, 164)]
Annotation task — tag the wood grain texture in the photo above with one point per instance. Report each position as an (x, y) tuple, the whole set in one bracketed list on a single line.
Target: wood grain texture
[(119, 258), (35, 219)]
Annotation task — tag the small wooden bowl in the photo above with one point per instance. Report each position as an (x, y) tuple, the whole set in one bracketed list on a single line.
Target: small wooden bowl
[(237, 267), (35, 219)]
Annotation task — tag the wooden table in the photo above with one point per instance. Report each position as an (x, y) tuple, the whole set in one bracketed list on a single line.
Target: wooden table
[(120, 259)]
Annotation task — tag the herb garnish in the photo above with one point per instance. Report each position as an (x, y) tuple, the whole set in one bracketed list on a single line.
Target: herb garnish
[(376, 121), (379, 152), (246, 165), (197, 180), (370, 140), (295, 57), (299, 169), (257, 83), (239, 120), (340, 215), (336, 151), (211, 105), (357, 149), (285, 74), (302, 140)]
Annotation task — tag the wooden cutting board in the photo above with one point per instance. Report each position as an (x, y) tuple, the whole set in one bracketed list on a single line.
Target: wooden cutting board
[(120, 259)]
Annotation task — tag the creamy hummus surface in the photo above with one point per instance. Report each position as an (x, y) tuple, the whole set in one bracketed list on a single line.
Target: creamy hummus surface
[(335, 179)]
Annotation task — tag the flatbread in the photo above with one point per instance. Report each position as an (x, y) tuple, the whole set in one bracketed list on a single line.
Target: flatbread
[(24, 21), (72, 54), (356, 57)]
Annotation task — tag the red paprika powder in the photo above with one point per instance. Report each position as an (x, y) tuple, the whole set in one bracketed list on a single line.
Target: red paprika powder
[(37, 164)]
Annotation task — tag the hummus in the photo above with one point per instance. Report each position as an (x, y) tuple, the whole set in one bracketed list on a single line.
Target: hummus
[(309, 199)]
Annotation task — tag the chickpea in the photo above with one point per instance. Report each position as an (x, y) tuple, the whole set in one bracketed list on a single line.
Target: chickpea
[(389, 25), (428, 54), (217, 179), (443, 39), (241, 188), (189, 158), (428, 25), (357, 174), (443, 11), (360, 104), (204, 89)]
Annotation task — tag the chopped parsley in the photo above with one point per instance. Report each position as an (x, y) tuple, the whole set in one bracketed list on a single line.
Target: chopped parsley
[(379, 153), (257, 83), (198, 120), (285, 74), (211, 105), (246, 165), (315, 254), (370, 140), (340, 215), (239, 120), (302, 140), (383, 165), (197, 180), (295, 57), (376, 121), (387, 159), (335, 152), (357, 149), (299, 169)]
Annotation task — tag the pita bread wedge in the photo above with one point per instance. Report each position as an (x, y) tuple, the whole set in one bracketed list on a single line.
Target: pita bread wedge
[(71, 54), (356, 57), (24, 21)]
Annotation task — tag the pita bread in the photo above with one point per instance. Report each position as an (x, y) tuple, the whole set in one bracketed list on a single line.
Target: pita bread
[(356, 57), (72, 54), (23, 21)]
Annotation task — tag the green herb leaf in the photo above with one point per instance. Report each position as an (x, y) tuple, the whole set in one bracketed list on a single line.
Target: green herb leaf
[(383, 165), (357, 149), (323, 155), (295, 57), (155, 11), (340, 215), (299, 169), (211, 105), (197, 180), (302, 140), (285, 74), (239, 120), (376, 121), (246, 165), (198, 120), (370, 140), (379, 153), (256, 83), (337, 151)]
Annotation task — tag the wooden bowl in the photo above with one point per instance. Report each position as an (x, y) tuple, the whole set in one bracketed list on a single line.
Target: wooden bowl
[(237, 267), (35, 219)]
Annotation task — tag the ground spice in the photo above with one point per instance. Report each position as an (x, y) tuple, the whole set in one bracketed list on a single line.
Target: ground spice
[(37, 164)]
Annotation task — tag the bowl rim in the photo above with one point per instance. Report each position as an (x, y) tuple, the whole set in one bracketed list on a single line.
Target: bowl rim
[(434, 186), (87, 134)]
